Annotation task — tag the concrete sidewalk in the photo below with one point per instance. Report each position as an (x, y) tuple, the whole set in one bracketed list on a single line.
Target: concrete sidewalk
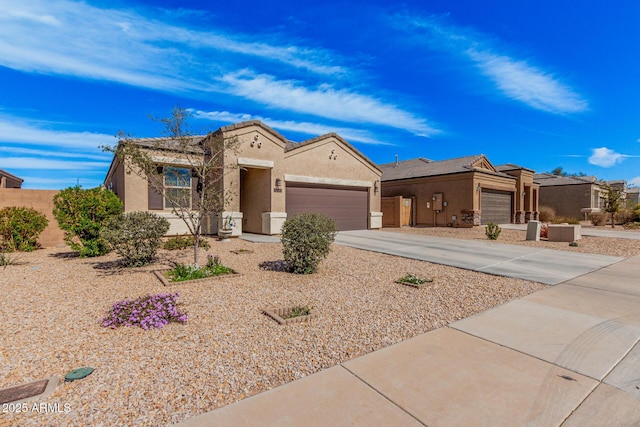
[(523, 262), (568, 355), (618, 232)]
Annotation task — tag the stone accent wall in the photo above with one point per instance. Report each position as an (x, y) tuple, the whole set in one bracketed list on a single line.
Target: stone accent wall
[(520, 217), (470, 217)]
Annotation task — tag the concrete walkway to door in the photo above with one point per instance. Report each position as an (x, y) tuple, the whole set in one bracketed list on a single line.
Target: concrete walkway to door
[(539, 265)]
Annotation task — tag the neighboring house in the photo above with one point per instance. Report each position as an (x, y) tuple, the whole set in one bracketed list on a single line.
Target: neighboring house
[(465, 191), (571, 196), (632, 196), (271, 179), (9, 181)]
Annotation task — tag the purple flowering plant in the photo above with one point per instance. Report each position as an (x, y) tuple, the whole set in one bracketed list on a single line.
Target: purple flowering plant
[(147, 312)]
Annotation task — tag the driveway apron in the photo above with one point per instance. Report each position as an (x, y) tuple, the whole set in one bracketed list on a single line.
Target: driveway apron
[(539, 265)]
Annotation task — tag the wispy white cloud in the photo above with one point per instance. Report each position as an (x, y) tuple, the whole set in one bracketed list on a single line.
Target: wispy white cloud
[(58, 183), (17, 131), (53, 153), (515, 78), (39, 163), (605, 157), (325, 101), (63, 37), (307, 128), (634, 182)]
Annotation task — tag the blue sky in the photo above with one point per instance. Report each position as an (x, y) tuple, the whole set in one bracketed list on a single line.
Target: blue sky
[(540, 84)]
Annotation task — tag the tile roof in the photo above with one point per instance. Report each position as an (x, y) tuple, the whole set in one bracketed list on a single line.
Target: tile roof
[(510, 167), (421, 167), (548, 180), (8, 175), (169, 144)]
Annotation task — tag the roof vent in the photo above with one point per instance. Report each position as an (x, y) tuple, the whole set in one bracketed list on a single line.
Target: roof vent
[(396, 160)]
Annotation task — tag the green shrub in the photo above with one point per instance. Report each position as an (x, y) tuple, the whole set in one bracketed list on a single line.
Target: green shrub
[(493, 231), (412, 278), (546, 214), (598, 218), (299, 310), (636, 213), (184, 242), (306, 241), (568, 220), (632, 225), (135, 236), (573, 244), (20, 228), (82, 213), (182, 272)]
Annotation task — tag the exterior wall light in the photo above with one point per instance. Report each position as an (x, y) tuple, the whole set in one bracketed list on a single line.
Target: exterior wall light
[(278, 183), (375, 186)]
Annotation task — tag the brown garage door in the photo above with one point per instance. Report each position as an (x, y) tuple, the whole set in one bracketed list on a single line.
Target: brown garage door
[(348, 207), (495, 206)]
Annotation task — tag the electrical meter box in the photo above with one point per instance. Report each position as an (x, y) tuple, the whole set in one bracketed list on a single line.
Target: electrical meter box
[(437, 201)]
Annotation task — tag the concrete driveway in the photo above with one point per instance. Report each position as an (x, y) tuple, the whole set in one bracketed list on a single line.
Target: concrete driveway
[(539, 265)]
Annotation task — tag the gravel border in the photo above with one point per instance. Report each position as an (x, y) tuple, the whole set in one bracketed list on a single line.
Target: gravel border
[(52, 303)]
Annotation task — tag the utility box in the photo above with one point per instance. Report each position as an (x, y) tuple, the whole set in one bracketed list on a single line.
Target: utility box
[(437, 201), (533, 231)]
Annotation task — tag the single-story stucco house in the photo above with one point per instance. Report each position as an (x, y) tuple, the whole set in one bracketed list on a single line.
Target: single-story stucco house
[(272, 179), (571, 196), (633, 194), (465, 191), (8, 180)]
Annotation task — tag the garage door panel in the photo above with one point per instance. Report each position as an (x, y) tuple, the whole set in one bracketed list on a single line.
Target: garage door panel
[(495, 207), (349, 208)]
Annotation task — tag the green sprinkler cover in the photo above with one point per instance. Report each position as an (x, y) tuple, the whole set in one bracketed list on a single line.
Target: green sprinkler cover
[(78, 374)]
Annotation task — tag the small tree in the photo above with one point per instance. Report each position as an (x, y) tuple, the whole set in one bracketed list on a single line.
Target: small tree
[(82, 213), (612, 201), (204, 155)]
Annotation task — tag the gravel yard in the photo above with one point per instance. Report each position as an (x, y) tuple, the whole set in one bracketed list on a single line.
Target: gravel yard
[(52, 303), (588, 244)]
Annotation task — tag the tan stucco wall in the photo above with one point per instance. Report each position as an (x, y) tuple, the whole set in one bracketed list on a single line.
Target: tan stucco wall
[(460, 191), (255, 143), (331, 159), (457, 190), (567, 200), (40, 200)]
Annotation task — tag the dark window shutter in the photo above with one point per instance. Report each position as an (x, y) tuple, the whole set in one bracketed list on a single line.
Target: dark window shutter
[(155, 199), (195, 196)]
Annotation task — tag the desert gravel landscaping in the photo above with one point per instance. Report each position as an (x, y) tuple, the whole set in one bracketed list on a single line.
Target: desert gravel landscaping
[(52, 303)]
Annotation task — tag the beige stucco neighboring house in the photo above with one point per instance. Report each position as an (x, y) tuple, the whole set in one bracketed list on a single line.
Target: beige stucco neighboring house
[(8, 180), (570, 196), (465, 191), (271, 179)]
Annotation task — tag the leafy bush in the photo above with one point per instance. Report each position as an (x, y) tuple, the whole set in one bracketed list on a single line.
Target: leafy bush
[(20, 228), (546, 214), (573, 244), (598, 218), (565, 219), (182, 272), (636, 213), (624, 216), (306, 241), (82, 213), (135, 236), (148, 312), (632, 225), (184, 242), (493, 231)]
